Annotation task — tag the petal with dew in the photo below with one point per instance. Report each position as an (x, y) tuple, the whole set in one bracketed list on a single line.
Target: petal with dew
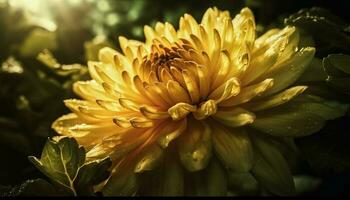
[(288, 72), (276, 100), (302, 116)]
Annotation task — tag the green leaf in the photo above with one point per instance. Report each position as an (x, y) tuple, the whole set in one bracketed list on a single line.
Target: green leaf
[(63, 161), (323, 25), (37, 187), (36, 41), (327, 152), (337, 66)]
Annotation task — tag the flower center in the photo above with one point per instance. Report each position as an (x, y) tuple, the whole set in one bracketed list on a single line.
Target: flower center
[(181, 78)]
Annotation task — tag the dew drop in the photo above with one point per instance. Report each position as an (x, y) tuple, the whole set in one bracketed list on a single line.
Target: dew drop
[(284, 98)]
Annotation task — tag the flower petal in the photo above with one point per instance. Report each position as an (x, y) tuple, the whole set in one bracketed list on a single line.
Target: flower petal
[(181, 110), (212, 181), (302, 116), (123, 182), (227, 90), (233, 148), (244, 26), (248, 93), (288, 72), (271, 169), (74, 126), (243, 183), (91, 90), (106, 55), (206, 109), (153, 112), (260, 64), (314, 72), (149, 160), (191, 85), (276, 100), (194, 146), (235, 118), (166, 180), (171, 132)]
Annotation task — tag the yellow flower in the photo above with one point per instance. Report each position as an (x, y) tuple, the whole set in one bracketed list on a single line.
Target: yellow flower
[(202, 110)]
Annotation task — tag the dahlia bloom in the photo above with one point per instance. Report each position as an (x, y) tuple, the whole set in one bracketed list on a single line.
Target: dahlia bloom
[(208, 109)]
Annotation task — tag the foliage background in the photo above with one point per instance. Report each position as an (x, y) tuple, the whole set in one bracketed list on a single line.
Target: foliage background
[(32, 91)]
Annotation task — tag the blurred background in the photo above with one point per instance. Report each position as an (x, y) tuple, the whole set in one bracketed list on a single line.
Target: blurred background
[(45, 44)]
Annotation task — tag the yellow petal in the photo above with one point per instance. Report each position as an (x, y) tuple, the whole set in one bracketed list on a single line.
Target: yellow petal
[(223, 69), (153, 113), (276, 100), (248, 93), (181, 110), (110, 91), (88, 109), (244, 26), (93, 73), (227, 90), (205, 110), (140, 122), (129, 104), (284, 41), (287, 73), (288, 48), (154, 94), (263, 39), (106, 55), (90, 90), (120, 141), (235, 118), (171, 132), (170, 32), (191, 86), (132, 44), (109, 105), (260, 65), (214, 15), (194, 146), (74, 126), (62, 124), (122, 122)]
